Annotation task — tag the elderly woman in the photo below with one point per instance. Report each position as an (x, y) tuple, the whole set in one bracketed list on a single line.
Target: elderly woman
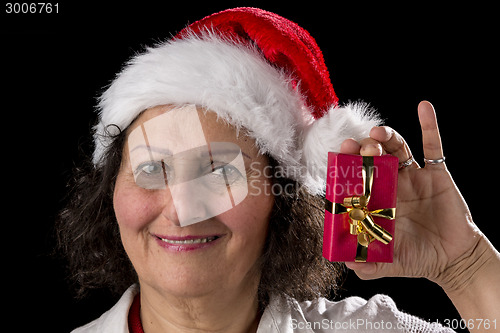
[(204, 201)]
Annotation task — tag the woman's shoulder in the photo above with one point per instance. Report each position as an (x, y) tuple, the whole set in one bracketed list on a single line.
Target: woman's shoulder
[(354, 314), (115, 320)]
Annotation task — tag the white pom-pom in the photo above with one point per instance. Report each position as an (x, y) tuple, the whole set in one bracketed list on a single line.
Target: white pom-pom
[(353, 120)]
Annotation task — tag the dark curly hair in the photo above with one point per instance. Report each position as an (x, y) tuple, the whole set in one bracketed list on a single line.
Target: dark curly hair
[(88, 236)]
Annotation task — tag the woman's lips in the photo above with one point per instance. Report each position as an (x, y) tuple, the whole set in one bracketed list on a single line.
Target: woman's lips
[(186, 243)]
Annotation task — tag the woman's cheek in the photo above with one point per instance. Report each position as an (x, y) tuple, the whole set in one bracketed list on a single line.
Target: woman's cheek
[(133, 208), (250, 218)]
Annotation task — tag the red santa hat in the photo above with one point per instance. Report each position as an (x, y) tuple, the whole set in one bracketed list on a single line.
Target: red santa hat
[(255, 69)]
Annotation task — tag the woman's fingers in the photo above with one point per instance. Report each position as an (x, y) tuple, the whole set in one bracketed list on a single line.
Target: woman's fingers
[(370, 147), (384, 139), (392, 143), (431, 140), (350, 146), (366, 147)]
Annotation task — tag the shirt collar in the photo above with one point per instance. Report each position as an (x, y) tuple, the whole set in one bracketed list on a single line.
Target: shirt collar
[(283, 315)]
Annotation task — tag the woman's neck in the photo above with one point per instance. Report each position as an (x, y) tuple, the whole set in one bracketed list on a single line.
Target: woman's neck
[(220, 311)]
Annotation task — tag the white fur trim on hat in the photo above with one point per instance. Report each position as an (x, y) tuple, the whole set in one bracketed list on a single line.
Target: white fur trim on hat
[(236, 82), (354, 120)]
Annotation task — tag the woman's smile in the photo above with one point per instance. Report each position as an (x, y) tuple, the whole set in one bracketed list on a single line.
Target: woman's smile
[(187, 243)]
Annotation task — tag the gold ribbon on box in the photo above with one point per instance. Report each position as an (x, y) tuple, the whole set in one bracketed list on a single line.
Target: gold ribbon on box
[(361, 221)]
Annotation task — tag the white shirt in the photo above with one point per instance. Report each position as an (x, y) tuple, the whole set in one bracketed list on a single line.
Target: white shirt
[(352, 314)]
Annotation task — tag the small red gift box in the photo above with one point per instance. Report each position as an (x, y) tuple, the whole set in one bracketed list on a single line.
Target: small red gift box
[(360, 208)]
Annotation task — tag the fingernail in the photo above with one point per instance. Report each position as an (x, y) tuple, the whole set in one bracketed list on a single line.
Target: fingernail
[(371, 150)]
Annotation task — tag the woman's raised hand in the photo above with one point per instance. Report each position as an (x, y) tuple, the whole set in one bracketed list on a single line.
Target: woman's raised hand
[(435, 235)]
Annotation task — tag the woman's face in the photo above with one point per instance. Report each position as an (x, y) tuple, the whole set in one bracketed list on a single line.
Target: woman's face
[(172, 251)]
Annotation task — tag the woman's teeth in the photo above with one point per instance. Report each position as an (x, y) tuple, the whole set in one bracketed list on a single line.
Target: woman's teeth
[(190, 241)]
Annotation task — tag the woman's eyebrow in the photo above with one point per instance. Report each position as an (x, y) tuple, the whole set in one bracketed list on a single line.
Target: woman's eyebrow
[(159, 150), (165, 151), (232, 152), (228, 151)]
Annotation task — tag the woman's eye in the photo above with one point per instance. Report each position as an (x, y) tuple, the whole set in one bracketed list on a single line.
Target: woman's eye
[(229, 173), (151, 175), (150, 168)]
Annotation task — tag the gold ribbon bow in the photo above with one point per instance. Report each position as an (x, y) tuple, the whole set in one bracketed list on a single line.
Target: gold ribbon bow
[(361, 223)]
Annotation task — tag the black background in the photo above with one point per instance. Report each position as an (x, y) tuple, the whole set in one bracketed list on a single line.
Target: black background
[(55, 65)]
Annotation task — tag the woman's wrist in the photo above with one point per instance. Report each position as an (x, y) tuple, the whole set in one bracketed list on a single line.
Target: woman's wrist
[(463, 272), (473, 282)]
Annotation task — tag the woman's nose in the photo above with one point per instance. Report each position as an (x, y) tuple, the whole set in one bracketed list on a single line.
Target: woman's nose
[(185, 204), (169, 211)]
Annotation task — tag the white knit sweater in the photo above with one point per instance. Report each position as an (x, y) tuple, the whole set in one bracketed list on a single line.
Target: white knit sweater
[(353, 314)]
